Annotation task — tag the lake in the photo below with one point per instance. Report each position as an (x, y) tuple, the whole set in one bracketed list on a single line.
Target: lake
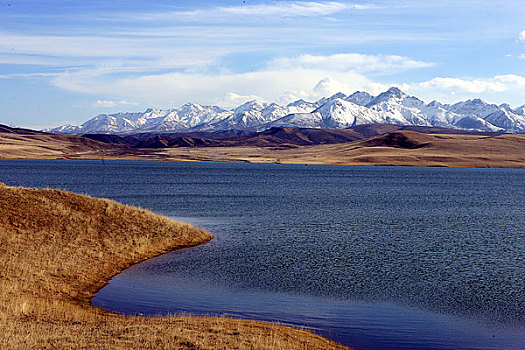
[(372, 257)]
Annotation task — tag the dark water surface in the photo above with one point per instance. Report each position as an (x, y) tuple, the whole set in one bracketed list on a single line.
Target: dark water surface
[(373, 257)]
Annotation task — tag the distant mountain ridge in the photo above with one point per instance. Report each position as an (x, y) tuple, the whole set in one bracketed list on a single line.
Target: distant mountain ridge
[(277, 137), (336, 112)]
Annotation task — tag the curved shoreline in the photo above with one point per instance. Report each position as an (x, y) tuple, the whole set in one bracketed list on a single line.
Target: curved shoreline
[(58, 248), (167, 250)]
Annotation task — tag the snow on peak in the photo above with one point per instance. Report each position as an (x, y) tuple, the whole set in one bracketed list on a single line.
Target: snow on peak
[(339, 95), (391, 94), (250, 105), (506, 107), (520, 110), (191, 106), (395, 91), (338, 111), (360, 98), (297, 103), (474, 107), (435, 104)]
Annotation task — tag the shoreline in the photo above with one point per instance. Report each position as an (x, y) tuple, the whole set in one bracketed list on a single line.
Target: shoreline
[(166, 251), (58, 249), (397, 163)]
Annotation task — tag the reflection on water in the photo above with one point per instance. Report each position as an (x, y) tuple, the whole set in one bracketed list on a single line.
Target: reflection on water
[(375, 257)]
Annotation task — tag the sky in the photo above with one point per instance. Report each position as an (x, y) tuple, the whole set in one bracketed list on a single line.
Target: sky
[(65, 61)]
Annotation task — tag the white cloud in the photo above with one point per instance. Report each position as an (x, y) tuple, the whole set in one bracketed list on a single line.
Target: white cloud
[(28, 75), (233, 99), (512, 79), (508, 88), (284, 9), (382, 64), (249, 12), (131, 53), (111, 103), (466, 85), (156, 49), (521, 36), (227, 89), (31, 60), (285, 79), (329, 86)]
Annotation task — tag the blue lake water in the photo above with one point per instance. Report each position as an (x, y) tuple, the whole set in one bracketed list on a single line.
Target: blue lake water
[(372, 257)]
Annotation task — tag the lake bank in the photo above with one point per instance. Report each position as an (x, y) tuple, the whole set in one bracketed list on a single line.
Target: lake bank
[(58, 249), (395, 149)]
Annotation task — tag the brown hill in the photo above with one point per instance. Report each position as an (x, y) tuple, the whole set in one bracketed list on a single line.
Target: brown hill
[(400, 139), (306, 136), (13, 130), (176, 141), (388, 145), (400, 148), (114, 139), (24, 143), (296, 136), (274, 137)]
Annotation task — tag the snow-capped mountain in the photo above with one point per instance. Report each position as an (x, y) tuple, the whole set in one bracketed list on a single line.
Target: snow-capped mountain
[(360, 98), (475, 107), (507, 120), (520, 110), (437, 115), (187, 116), (338, 111), (110, 124), (396, 107), (250, 115)]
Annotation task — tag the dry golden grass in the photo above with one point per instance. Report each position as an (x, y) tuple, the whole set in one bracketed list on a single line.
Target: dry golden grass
[(48, 146), (57, 249), (504, 151)]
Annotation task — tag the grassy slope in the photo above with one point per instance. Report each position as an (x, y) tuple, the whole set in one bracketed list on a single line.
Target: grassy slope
[(50, 146), (504, 151), (57, 249)]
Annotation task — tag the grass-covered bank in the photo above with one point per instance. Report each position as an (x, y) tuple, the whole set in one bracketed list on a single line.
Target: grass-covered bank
[(57, 249), (399, 148)]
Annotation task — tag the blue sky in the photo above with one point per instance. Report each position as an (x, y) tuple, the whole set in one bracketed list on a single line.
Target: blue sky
[(67, 61)]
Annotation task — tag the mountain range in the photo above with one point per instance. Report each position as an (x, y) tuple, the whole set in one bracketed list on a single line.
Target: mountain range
[(336, 112)]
